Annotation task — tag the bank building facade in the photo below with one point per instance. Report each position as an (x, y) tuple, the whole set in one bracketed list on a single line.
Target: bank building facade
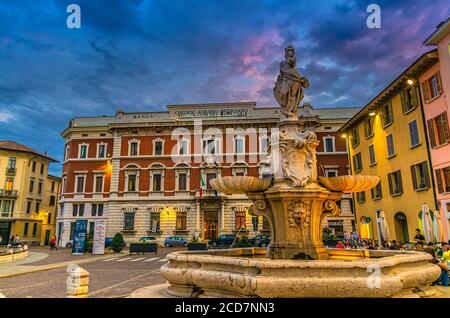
[(147, 174)]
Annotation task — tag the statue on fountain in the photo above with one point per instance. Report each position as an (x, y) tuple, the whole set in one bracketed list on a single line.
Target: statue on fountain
[(288, 90)]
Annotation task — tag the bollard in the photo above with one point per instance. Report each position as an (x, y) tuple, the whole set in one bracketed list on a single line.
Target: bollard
[(77, 282)]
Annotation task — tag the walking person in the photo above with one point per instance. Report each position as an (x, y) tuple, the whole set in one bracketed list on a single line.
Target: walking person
[(53, 243)]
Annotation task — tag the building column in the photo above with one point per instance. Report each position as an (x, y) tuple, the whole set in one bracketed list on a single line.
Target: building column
[(197, 225)]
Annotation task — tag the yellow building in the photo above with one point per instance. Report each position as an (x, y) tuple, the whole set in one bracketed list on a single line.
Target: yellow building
[(387, 139), (28, 195)]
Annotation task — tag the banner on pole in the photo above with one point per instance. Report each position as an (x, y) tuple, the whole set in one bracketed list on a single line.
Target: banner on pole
[(98, 246), (79, 237)]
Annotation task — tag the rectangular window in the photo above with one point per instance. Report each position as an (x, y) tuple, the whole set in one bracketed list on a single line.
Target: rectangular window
[(12, 163), (432, 87), (49, 218), (181, 220), (133, 149), (354, 136), (101, 151), (74, 210), (409, 99), (158, 148), (94, 210), (357, 162), (83, 152), (376, 192), (128, 224), (255, 223), (209, 177), (53, 186), (29, 207), (183, 147), (390, 145), (361, 197), (33, 166), (39, 189), (368, 125), (34, 233), (438, 130), (131, 182), (395, 183), (80, 184), (37, 207), (155, 222), (81, 209), (263, 144), (239, 145), (182, 181), (373, 160), (25, 229), (240, 220), (420, 176), (42, 169), (52, 200), (329, 173), (31, 186), (209, 147), (413, 133), (157, 182), (9, 184), (387, 114), (329, 144), (66, 153), (99, 183), (446, 172)]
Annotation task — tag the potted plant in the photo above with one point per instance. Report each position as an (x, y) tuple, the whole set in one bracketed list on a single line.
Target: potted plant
[(117, 243), (196, 244), (144, 247), (89, 242), (243, 242)]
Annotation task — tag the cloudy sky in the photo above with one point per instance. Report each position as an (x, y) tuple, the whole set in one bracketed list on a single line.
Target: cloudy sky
[(141, 55)]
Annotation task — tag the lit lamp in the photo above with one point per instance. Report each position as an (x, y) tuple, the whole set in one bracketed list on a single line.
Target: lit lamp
[(372, 114), (344, 135), (410, 82)]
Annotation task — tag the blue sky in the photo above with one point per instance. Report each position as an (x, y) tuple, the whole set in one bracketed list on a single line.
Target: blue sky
[(141, 55)]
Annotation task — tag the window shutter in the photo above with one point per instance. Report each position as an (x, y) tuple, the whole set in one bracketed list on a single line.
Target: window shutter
[(400, 183), (391, 189), (426, 173), (413, 175), (431, 132), (414, 96), (402, 97), (438, 82), (439, 180), (425, 91), (445, 127)]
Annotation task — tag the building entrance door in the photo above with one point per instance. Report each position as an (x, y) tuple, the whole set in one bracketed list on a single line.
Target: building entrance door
[(5, 231), (211, 224), (47, 237)]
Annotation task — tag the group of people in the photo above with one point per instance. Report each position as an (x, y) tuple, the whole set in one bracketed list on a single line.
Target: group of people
[(14, 241), (440, 250)]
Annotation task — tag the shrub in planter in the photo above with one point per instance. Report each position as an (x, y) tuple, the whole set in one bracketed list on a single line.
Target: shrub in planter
[(117, 243), (243, 242), (196, 244), (89, 242), (144, 247)]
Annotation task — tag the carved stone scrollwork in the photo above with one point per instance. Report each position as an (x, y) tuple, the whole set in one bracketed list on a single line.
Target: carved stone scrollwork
[(331, 208), (299, 213), (258, 208)]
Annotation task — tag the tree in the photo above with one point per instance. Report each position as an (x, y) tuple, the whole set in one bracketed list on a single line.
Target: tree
[(117, 243)]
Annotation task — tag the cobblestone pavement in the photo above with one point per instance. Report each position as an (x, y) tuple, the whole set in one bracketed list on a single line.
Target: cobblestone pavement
[(114, 277)]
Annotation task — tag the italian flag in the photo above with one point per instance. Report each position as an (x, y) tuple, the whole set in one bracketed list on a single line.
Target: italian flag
[(202, 185)]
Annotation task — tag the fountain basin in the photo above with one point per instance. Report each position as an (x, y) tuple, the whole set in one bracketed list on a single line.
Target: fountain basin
[(349, 184), (240, 184), (247, 272)]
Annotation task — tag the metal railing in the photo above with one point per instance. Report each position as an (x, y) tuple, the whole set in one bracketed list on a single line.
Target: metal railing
[(8, 193)]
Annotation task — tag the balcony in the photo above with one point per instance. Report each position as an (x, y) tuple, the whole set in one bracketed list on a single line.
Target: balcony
[(10, 171), (4, 214), (11, 194)]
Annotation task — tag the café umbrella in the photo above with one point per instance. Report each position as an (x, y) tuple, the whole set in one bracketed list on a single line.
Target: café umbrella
[(384, 229), (437, 226), (427, 225)]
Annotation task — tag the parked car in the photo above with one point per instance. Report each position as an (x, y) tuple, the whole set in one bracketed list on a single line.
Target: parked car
[(224, 240), (108, 241), (260, 240), (148, 239), (175, 241)]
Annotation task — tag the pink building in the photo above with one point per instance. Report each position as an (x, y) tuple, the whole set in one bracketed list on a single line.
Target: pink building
[(435, 89)]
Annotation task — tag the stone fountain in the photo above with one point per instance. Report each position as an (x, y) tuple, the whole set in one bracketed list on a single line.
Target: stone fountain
[(295, 202)]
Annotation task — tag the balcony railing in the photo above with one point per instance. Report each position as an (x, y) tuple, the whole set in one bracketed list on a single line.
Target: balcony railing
[(10, 171), (8, 193), (6, 214)]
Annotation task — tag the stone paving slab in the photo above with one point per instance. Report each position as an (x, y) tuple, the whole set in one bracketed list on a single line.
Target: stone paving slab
[(8, 271)]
